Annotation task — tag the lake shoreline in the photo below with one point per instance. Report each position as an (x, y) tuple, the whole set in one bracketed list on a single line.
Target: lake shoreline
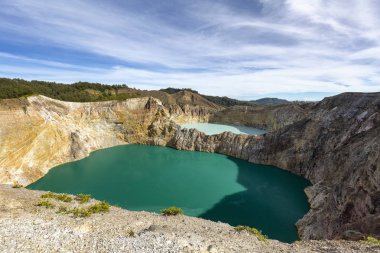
[(217, 183)]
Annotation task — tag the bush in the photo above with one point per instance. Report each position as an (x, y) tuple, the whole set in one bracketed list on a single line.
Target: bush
[(373, 240), (254, 231), (46, 204), (100, 207), (83, 198), (171, 211)]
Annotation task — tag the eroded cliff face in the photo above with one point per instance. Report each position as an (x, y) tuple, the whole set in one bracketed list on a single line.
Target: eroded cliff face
[(39, 133), (270, 118), (335, 146)]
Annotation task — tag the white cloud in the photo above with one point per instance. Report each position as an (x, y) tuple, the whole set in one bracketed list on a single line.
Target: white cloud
[(291, 46)]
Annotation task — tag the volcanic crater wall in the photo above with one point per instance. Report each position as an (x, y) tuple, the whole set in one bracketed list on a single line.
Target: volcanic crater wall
[(334, 144)]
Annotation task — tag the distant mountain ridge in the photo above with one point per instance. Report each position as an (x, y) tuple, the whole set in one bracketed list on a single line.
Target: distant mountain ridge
[(270, 101), (93, 92)]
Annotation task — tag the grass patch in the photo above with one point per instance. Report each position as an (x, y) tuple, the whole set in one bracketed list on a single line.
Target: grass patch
[(64, 198), (101, 207), (60, 197), (83, 198), (45, 203), (62, 209), (254, 231), (171, 211), (80, 212), (372, 240), (17, 185), (48, 195)]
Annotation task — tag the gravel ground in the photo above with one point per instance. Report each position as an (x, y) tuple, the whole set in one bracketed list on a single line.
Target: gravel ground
[(25, 227)]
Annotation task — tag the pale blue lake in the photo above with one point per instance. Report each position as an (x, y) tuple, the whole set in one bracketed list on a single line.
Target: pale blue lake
[(214, 128)]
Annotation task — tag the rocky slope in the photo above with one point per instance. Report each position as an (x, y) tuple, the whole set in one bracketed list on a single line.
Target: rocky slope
[(39, 133), (25, 227), (335, 146), (264, 117)]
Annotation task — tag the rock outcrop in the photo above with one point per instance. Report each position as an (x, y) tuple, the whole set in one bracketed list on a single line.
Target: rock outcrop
[(335, 146)]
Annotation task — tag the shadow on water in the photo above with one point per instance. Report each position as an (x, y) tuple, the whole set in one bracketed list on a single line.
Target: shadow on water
[(272, 202)]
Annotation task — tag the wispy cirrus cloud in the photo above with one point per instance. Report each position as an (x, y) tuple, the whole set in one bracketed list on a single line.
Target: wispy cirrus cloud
[(237, 48)]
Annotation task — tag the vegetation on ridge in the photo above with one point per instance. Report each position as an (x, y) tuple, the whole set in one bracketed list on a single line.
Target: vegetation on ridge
[(83, 198), (61, 197), (171, 211), (100, 207), (45, 203), (372, 240), (223, 101), (91, 92), (254, 231), (76, 92)]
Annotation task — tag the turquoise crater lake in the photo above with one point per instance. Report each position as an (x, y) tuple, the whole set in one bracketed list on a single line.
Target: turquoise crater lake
[(206, 185), (214, 128)]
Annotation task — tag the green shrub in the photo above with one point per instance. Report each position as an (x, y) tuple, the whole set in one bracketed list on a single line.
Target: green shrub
[(46, 204), (373, 240), (79, 212), (62, 209), (171, 211), (254, 231), (83, 198), (48, 195), (64, 198), (100, 207)]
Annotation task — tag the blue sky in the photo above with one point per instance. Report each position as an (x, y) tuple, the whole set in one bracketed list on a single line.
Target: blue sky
[(295, 49)]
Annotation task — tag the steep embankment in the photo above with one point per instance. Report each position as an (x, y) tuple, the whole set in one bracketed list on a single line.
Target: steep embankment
[(39, 133), (25, 227), (335, 146)]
